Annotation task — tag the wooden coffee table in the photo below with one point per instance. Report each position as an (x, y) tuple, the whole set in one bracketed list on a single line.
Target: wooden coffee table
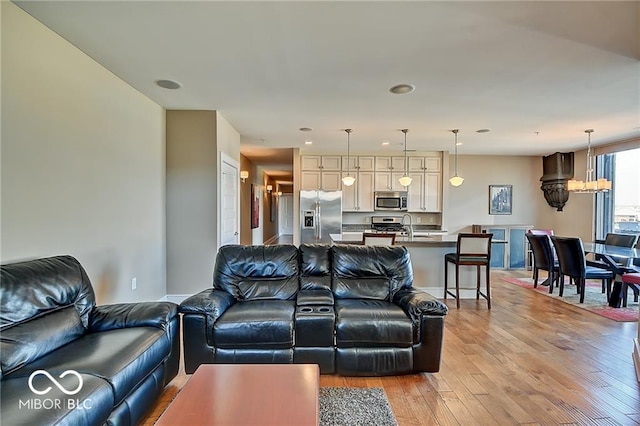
[(247, 394)]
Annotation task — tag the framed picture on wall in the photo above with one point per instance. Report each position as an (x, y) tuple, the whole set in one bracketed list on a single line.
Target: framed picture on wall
[(255, 208), (500, 199)]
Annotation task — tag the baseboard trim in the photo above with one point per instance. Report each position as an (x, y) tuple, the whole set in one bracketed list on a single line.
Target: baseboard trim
[(636, 357), (271, 240)]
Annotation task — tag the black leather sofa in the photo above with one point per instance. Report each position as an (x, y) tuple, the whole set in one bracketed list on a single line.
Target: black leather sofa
[(66, 361), (351, 309)]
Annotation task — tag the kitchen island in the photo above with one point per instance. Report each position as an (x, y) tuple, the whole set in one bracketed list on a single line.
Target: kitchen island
[(427, 258)]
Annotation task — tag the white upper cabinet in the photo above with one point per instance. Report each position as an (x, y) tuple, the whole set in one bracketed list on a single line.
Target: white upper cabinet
[(425, 164), (357, 163), (389, 164), (321, 162)]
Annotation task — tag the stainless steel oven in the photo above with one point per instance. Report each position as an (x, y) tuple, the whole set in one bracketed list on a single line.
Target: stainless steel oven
[(390, 201)]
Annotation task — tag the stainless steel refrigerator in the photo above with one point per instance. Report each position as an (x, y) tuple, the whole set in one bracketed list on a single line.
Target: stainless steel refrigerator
[(320, 215)]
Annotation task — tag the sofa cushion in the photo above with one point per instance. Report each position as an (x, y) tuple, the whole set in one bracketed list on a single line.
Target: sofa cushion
[(258, 324), (20, 406), (315, 267), (27, 341), (41, 291), (371, 272), (122, 357), (371, 323), (257, 272)]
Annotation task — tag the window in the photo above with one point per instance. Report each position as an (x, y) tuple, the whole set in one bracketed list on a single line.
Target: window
[(619, 210)]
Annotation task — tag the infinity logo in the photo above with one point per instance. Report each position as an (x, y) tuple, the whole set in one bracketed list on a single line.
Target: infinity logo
[(55, 382)]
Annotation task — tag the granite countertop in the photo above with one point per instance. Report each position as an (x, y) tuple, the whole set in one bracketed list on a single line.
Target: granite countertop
[(415, 241)]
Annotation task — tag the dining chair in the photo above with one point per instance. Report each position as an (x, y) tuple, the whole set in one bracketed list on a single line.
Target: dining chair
[(540, 231), (630, 281), (572, 263), (543, 259), (378, 239), (471, 250), (614, 239)]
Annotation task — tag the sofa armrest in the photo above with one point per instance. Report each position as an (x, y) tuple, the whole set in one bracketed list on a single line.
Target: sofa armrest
[(416, 303), (125, 315), (211, 303)]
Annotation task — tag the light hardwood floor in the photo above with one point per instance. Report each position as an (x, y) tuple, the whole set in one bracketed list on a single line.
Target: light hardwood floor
[(530, 360)]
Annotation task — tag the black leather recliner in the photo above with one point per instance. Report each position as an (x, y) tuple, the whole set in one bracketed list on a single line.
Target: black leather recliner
[(120, 356), (351, 309)]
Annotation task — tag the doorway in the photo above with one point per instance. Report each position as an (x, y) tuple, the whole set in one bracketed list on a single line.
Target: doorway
[(285, 214)]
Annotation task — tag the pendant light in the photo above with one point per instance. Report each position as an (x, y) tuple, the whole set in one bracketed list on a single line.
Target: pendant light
[(348, 180), (405, 180), (590, 185), (456, 180)]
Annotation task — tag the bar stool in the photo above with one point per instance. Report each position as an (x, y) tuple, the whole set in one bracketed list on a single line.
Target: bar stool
[(378, 239), (471, 250), (630, 280)]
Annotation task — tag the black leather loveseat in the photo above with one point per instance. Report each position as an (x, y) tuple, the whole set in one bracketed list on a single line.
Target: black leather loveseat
[(65, 360), (351, 309)]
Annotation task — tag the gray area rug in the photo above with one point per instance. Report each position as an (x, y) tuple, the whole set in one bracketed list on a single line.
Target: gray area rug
[(355, 407)]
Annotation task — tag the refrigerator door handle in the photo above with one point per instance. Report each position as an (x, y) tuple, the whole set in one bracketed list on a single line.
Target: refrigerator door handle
[(319, 213)]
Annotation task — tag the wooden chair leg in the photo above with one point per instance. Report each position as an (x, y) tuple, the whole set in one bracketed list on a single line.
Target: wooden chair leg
[(488, 287), (535, 277), (446, 274), (581, 283), (551, 281), (477, 282), (608, 290), (561, 285), (457, 286)]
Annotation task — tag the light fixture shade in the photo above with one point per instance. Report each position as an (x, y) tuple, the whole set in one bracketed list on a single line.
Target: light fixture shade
[(279, 193), (590, 185), (348, 180), (405, 181), (456, 180), (244, 174), (269, 188)]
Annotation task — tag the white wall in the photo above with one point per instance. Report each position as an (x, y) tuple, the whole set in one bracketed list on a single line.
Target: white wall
[(469, 204), (82, 163), (195, 141)]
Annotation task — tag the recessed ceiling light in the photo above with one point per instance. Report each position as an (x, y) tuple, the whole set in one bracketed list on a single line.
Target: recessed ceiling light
[(168, 84), (308, 142), (305, 129), (483, 131), (385, 143), (402, 89)]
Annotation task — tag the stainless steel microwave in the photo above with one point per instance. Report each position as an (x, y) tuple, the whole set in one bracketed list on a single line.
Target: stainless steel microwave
[(386, 200)]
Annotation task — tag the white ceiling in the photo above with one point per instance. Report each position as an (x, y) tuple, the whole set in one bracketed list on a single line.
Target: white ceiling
[(536, 73)]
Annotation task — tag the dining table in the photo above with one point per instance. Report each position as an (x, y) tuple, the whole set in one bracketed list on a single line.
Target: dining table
[(612, 255)]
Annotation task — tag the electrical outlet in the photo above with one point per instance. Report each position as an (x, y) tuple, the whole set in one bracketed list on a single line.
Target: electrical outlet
[(134, 283)]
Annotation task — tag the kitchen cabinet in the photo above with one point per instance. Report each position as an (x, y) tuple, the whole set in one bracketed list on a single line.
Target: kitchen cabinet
[(511, 254), (387, 181), (359, 196), (425, 164), (424, 193), (321, 162), (358, 163), (321, 172), (389, 164), (326, 181)]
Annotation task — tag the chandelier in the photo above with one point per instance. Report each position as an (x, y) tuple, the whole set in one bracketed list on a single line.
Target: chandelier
[(590, 184), (456, 180), (348, 180), (405, 180)]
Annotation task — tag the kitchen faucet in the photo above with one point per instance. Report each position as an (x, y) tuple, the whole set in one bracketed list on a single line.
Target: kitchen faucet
[(410, 229)]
